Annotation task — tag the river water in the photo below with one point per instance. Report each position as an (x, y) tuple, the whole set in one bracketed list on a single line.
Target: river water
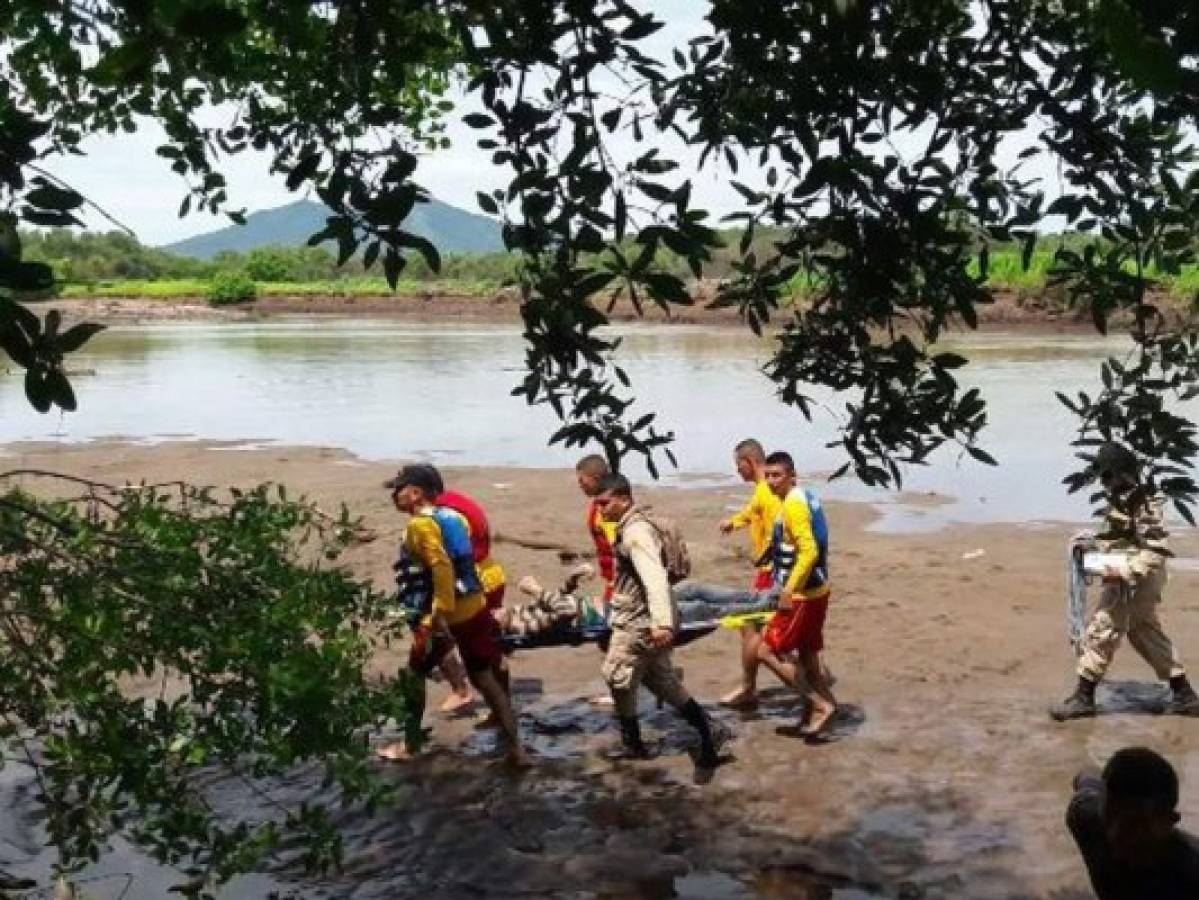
[(402, 391)]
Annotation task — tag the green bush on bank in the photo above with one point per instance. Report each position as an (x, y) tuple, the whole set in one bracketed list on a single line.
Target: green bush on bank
[(227, 288)]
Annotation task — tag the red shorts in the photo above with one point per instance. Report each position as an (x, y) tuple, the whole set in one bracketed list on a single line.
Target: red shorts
[(477, 639), (799, 629), (763, 580)]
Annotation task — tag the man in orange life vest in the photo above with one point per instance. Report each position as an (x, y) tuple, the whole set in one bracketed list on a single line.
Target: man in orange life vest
[(590, 470), (492, 579)]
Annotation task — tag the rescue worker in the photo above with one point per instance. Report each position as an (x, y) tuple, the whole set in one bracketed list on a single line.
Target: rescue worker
[(799, 552), (439, 580), (644, 620), (758, 515), (1128, 603)]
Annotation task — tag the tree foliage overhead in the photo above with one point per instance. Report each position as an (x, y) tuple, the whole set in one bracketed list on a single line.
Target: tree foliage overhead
[(895, 140)]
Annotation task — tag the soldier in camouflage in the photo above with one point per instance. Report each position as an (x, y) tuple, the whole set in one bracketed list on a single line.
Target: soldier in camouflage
[(1133, 525)]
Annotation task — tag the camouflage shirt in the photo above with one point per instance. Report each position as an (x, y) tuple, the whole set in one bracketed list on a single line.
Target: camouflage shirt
[(1140, 532)]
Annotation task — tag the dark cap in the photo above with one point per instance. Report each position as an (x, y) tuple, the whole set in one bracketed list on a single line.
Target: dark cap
[(420, 475)]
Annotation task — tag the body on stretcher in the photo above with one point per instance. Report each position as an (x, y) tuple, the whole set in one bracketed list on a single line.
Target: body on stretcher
[(573, 636), (555, 618)]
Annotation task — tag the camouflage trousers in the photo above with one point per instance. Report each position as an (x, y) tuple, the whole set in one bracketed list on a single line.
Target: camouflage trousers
[(632, 661), (1129, 611)]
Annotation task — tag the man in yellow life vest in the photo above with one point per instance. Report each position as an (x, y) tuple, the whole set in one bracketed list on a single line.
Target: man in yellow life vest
[(799, 554), (758, 515), (438, 578)]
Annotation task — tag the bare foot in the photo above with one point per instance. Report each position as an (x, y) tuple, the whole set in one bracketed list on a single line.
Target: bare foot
[(395, 752), (740, 699), (819, 721), (457, 703), (530, 585)]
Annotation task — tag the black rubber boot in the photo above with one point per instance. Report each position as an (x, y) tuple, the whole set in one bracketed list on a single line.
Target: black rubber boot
[(631, 744), (708, 755), (1079, 705), (1183, 701)]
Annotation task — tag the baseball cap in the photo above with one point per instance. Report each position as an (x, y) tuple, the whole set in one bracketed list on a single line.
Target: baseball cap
[(419, 475)]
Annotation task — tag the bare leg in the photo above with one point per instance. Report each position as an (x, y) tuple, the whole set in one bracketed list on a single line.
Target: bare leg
[(746, 696), (504, 678), (788, 672), (501, 707), (455, 675), (793, 675), (823, 702), (414, 689)]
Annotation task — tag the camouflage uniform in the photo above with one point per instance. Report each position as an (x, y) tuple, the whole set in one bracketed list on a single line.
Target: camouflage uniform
[(641, 601), (1130, 608)]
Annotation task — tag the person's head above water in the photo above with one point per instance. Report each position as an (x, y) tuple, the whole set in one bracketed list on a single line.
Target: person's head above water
[(749, 458), (590, 470), (1140, 796), (780, 473), (614, 496), (415, 486)]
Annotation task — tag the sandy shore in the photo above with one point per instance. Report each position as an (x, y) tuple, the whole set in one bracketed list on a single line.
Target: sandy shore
[(1009, 311), (946, 779)]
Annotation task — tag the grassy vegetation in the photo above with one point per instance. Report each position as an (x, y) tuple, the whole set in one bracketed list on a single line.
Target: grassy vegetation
[(176, 288), (115, 265)]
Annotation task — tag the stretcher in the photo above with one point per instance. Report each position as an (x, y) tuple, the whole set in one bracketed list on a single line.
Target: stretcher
[(594, 634)]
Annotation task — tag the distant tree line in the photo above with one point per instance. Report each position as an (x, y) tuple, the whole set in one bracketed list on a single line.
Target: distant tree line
[(82, 257)]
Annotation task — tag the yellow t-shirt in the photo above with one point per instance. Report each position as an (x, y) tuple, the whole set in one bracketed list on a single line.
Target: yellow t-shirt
[(423, 541), (759, 514), (795, 520)]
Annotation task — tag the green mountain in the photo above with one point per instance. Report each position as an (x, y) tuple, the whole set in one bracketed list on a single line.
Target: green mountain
[(451, 230)]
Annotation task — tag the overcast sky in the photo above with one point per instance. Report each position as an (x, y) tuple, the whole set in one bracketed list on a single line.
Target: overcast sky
[(123, 174)]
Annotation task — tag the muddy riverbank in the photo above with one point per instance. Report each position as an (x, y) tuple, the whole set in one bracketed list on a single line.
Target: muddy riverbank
[(946, 778), (1010, 310)]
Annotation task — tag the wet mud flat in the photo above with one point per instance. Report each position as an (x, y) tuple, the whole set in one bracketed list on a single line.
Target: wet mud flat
[(945, 777)]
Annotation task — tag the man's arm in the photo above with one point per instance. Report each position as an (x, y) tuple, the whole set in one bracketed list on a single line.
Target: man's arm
[(743, 516), (645, 553)]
